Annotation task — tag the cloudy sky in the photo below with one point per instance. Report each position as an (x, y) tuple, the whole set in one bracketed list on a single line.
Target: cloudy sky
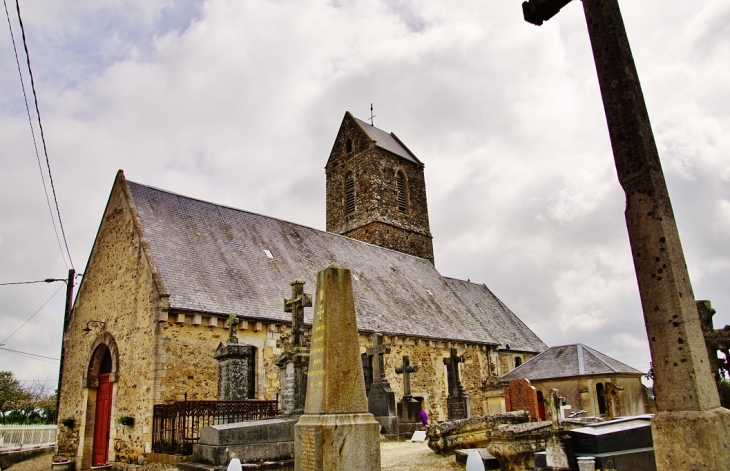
[(238, 102)]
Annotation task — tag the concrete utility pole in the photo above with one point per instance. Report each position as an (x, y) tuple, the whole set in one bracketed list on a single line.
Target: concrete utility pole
[(690, 430)]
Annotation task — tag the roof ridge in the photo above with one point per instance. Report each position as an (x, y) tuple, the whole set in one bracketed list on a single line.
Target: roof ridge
[(218, 205), (598, 355)]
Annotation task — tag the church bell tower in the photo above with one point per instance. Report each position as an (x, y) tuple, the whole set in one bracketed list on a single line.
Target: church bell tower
[(376, 191)]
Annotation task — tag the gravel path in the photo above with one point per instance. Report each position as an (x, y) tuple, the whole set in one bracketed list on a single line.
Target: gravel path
[(395, 456)]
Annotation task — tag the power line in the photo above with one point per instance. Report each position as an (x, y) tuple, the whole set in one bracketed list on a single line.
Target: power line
[(31, 355), (47, 280), (32, 133), (40, 126), (31, 317)]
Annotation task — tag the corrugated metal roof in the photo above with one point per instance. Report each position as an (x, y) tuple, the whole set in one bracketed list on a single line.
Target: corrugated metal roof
[(388, 141), (212, 259), (567, 361)]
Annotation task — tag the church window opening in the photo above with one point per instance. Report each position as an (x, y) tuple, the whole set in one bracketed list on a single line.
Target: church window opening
[(350, 193), (402, 192), (518, 361), (251, 375), (348, 146), (601, 395)]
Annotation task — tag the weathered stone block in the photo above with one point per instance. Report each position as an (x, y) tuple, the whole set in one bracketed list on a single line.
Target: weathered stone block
[(255, 431)]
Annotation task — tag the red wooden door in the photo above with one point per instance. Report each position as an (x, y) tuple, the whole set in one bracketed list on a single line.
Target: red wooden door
[(102, 420), (540, 405)]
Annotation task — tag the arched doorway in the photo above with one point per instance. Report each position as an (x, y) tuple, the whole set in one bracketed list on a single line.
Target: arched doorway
[(99, 378), (102, 418), (601, 396)]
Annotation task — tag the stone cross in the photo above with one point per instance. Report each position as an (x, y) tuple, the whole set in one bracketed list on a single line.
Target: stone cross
[(378, 352), (232, 328), (452, 366), (406, 369), (296, 304), (686, 396)]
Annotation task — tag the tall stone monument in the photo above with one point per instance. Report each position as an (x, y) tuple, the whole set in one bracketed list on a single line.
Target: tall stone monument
[(235, 365), (294, 362), (336, 432), (381, 398), (690, 429), (457, 402)]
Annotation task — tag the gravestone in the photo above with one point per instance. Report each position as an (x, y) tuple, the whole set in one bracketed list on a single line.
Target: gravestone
[(409, 409), (690, 427), (457, 402), (235, 366), (381, 398), (556, 456), (294, 362), (336, 431), (620, 444), (521, 395)]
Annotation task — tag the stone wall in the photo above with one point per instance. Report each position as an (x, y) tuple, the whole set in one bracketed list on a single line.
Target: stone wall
[(120, 293), (580, 393), (376, 219)]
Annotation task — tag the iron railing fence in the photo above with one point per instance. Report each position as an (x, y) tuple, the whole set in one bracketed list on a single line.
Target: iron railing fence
[(19, 436), (176, 427)]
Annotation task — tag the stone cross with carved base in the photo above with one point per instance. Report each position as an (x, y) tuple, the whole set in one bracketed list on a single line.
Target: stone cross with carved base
[(452, 365), (232, 328), (378, 352), (296, 304), (690, 428), (406, 369)]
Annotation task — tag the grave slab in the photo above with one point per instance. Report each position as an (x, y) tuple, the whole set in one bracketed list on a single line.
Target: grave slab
[(613, 436)]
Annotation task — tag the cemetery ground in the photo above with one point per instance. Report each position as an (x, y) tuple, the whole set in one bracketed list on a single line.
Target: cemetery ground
[(395, 456)]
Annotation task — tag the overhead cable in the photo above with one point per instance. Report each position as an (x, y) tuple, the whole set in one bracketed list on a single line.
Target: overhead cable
[(40, 126), (31, 317)]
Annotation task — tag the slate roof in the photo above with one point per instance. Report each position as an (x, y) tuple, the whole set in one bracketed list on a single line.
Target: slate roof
[(511, 332), (569, 361), (212, 259), (388, 141)]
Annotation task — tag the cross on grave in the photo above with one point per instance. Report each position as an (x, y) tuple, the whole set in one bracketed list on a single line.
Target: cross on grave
[(296, 304), (406, 369), (452, 368), (378, 351), (679, 357), (232, 328)]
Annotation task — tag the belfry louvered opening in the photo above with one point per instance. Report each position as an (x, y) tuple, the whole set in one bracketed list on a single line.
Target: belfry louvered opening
[(401, 182), (350, 193)]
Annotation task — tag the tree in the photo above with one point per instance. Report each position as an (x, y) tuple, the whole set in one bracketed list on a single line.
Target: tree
[(34, 403), (11, 393)]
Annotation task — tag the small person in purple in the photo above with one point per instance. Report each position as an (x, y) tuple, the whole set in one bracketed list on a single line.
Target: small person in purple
[(424, 419)]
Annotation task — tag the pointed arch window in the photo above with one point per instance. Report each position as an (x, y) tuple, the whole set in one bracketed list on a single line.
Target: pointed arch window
[(349, 193), (402, 186)]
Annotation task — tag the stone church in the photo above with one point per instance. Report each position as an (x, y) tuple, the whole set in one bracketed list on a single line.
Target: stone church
[(167, 270)]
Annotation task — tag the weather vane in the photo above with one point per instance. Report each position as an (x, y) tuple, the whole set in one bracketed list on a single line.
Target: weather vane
[(371, 115)]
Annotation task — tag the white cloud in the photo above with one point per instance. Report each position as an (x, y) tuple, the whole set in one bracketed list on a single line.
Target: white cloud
[(239, 102)]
